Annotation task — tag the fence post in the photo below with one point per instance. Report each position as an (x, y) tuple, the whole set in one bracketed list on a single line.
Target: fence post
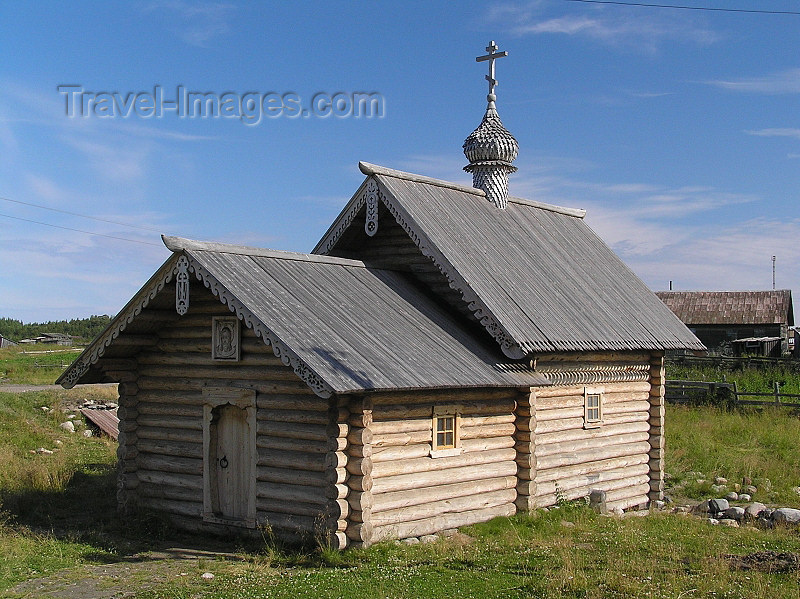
[(735, 393), (777, 392)]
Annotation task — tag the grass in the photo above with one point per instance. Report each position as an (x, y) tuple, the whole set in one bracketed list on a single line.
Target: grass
[(34, 364), (57, 512)]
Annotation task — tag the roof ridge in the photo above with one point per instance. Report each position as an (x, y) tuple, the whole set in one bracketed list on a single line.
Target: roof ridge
[(180, 244), (374, 169)]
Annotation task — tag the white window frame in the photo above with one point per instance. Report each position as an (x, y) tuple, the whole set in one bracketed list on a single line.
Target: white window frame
[(589, 421), (438, 451)]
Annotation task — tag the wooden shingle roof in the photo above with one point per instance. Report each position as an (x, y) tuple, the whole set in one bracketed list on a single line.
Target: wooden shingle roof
[(730, 307), (342, 327), (535, 275)]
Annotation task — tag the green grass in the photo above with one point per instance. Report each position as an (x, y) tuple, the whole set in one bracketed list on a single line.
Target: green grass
[(18, 364)]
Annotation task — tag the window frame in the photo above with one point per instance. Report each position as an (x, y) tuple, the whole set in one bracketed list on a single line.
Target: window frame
[(439, 415), (590, 422)]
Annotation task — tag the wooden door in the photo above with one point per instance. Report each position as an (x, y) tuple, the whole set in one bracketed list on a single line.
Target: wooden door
[(230, 462)]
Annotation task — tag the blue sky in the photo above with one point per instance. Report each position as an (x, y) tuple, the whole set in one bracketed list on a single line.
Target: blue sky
[(677, 130)]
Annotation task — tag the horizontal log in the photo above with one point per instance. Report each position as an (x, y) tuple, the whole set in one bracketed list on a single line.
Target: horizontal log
[(400, 452), (420, 480), (289, 493), (398, 439), (154, 491), (305, 525), (455, 505), (287, 444), (427, 464), (442, 397), (167, 434), (172, 479), (331, 510), (174, 464), (403, 499), (546, 440), (170, 409), (295, 460), (183, 449), (427, 526), (401, 426), (548, 404), (590, 467), (558, 391), (590, 442), (298, 416), (192, 509), (605, 480), (402, 411), (552, 426), (609, 409), (292, 477), (591, 455), (292, 430), (172, 423), (184, 384), (487, 431)]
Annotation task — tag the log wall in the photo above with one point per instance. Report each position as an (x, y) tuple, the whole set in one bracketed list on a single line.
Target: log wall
[(412, 493), (561, 458), (161, 429)]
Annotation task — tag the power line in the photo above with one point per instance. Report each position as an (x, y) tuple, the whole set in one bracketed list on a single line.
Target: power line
[(27, 220), (102, 220), (681, 7)]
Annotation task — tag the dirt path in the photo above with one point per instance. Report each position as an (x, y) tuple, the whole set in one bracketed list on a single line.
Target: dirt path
[(121, 579)]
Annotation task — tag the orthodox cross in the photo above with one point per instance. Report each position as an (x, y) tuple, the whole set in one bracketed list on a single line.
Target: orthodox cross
[(491, 57)]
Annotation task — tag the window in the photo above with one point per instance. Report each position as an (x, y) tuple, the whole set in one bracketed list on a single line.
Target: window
[(592, 408), (445, 433)]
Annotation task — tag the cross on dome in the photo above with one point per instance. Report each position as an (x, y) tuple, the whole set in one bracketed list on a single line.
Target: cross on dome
[(491, 57)]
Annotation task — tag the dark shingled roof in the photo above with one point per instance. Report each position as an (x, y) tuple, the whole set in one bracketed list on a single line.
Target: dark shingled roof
[(536, 271), (730, 307)]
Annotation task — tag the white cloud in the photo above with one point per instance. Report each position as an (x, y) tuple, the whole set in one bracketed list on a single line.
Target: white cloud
[(618, 27), (781, 82), (195, 23), (776, 132)]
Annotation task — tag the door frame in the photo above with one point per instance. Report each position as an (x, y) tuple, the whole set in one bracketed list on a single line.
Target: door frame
[(214, 397)]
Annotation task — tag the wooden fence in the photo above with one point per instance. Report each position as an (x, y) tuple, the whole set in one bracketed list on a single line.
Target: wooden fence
[(731, 363), (701, 392)]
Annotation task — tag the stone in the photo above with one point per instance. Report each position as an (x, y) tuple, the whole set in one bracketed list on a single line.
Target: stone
[(449, 532), (88, 433), (58, 442), (700, 481), (567, 524), (718, 488), (718, 505), (68, 426), (746, 480), (428, 539), (701, 508), (713, 521), (754, 509), (732, 496), (410, 541), (796, 490), (207, 576), (734, 513), (720, 481), (729, 522), (750, 489), (43, 451), (659, 505), (44, 409), (71, 417), (744, 497), (597, 501), (618, 511), (786, 515)]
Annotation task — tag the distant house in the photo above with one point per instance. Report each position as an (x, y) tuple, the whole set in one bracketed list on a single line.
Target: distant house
[(50, 338), (748, 321), (4, 342)]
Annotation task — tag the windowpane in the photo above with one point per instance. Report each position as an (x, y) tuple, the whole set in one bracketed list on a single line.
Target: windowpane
[(445, 433)]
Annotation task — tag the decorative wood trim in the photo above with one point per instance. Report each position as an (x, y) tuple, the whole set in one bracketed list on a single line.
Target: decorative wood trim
[(182, 286), (580, 377), (341, 224), (371, 224), (132, 309)]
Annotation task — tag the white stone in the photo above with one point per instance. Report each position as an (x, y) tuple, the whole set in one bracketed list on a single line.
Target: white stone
[(428, 539), (87, 433), (43, 451), (207, 576), (744, 497), (729, 522), (786, 515), (68, 426), (720, 480)]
